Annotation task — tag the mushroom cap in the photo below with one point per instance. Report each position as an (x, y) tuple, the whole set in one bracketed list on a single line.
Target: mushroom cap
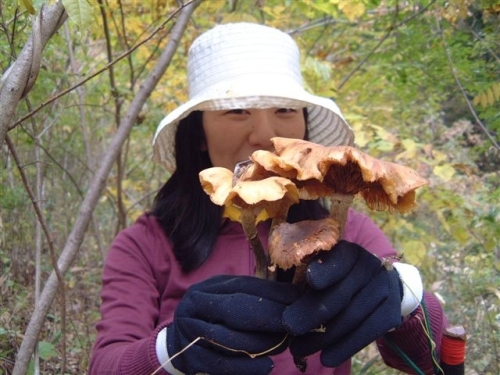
[(265, 198), (343, 170), (217, 182), (269, 164), (294, 244)]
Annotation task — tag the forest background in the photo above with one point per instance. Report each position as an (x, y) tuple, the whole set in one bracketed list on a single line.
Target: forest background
[(81, 96)]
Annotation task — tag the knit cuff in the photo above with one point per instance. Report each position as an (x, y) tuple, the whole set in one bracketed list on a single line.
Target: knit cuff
[(162, 353), (413, 288)]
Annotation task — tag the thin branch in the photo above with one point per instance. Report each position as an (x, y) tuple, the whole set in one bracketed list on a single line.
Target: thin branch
[(83, 125), (50, 242), (100, 71), (20, 76), (96, 187), (388, 33), (462, 90)]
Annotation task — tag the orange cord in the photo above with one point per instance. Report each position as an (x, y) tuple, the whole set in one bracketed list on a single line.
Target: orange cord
[(452, 350)]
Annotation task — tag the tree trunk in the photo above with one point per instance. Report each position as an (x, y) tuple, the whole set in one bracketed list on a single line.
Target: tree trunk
[(97, 184)]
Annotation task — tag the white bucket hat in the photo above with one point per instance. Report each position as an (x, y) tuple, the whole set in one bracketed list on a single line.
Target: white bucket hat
[(245, 65)]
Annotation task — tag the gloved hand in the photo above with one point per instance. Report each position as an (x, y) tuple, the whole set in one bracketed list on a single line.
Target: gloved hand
[(237, 316), (352, 300)]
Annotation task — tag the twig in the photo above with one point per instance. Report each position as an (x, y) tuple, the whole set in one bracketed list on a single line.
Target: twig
[(83, 125), (462, 90), (251, 355), (50, 242), (14, 82), (77, 234), (390, 29), (103, 69)]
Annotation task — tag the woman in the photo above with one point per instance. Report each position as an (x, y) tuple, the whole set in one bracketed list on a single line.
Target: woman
[(178, 293)]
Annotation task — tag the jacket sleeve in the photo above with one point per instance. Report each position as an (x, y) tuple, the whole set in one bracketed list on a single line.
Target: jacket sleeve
[(413, 340), (126, 339)]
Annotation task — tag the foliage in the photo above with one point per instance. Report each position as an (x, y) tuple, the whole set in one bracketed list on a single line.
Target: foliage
[(416, 80)]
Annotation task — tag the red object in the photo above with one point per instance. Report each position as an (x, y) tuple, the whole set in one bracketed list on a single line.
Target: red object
[(453, 350)]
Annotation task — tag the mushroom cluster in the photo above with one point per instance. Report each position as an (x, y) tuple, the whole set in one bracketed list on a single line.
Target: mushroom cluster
[(271, 182)]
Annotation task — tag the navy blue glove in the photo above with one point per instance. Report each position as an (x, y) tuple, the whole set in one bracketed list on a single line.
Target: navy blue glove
[(352, 300), (236, 316)]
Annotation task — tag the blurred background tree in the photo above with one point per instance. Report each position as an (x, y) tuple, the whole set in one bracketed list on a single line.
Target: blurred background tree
[(419, 81)]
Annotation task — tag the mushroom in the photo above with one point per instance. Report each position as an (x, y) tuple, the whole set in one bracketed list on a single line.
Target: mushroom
[(250, 202), (267, 164), (343, 172), (293, 245)]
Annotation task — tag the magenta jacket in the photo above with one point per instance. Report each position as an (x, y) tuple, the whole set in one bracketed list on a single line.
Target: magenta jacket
[(143, 283)]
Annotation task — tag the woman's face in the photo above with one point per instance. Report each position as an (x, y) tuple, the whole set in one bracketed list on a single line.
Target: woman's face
[(233, 135)]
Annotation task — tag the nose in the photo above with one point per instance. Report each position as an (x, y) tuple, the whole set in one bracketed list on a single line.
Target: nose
[(262, 130)]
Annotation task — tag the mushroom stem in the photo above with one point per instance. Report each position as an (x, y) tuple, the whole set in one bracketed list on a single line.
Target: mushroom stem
[(340, 204), (299, 276), (261, 258), (280, 216)]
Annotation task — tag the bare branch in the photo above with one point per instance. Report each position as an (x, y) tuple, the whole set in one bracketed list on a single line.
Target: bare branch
[(45, 229), (388, 33), (97, 73), (18, 80), (462, 90), (97, 185)]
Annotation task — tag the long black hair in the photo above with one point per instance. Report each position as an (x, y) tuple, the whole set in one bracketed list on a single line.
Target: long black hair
[(190, 220)]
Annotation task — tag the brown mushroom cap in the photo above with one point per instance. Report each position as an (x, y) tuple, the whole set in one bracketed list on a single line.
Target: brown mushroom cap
[(294, 244), (343, 170), (269, 164)]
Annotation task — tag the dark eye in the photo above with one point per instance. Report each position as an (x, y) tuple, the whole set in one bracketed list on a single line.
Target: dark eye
[(237, 111), (286, 110)]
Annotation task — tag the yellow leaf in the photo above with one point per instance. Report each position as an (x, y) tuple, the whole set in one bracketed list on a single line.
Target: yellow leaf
[(483, 100), (238, 17), (491, 96), (445, 171), (28, 4), (496, 90), (134, 214), (475, 101), (415, 252), (439, 156), (329, 7), (360, 128), (352, 8), (411, 148), (490, 244), (460, 234), (384, 134)]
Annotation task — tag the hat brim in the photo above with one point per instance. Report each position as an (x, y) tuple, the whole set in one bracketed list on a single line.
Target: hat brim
[(326, 125)]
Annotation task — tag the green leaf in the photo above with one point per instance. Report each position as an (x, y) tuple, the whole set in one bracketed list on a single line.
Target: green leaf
[(46, 350), (79, 11)]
